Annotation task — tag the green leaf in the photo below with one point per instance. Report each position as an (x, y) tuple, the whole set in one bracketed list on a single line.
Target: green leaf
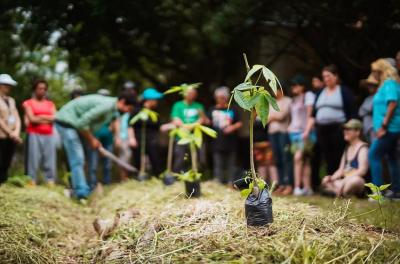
[(272, 102), (208, 131), (254, 100), (372, 187), (245, 192), (261, 184), (153, 115), (384, 187), (183, 132), (246, 86), (262, 109), (137, 117), (173, 89), (376, 197), (184, 141), (253, 70), (369, 185), (173, 132), (241, 100), (270, 78), (198, 136)]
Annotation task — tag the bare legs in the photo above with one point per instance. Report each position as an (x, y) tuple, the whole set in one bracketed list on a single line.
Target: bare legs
[(347, 186), (302, 173)]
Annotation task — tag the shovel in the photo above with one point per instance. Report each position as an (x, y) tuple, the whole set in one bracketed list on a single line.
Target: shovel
[(117, 160)]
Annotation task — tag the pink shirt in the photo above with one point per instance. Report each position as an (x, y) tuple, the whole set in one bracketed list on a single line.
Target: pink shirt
[(44, 107), (283, 116), (298, 111)]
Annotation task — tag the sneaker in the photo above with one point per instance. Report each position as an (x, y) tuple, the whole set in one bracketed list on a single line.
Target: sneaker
[(308, 192), (298, 191), (393, 196), (68, 193)]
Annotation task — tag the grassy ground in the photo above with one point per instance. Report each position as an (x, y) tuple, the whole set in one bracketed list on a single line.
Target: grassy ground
[(39, 225)]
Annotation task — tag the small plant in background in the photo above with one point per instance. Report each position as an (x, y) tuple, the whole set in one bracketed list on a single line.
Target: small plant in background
[(19, 180), (182, 89), (144, 115), (194, 139), (377, 196), (256, 97)]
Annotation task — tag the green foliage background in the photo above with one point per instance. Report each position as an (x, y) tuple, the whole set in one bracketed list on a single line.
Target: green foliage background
[(164, 42)]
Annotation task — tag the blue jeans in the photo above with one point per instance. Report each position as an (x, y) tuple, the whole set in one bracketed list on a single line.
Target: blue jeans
[(283, 158), (385, 147), (76, 160), (93, 158)]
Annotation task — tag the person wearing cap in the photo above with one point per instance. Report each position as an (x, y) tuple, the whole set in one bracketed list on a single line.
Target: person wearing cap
[(386, 124), (185, 113), (105, 135), (365, 110), (349, 178), (150, 99), (85, 115), (10, 125), (300, 112), (41, 145)]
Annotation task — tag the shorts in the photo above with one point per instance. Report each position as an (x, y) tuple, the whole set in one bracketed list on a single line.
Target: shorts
[(297, 142)]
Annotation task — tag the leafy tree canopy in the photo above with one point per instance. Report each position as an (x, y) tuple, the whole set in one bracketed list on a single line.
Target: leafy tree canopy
[(164, 42)]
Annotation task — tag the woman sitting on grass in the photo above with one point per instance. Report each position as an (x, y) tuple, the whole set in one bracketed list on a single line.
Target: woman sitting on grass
[(349, 178)]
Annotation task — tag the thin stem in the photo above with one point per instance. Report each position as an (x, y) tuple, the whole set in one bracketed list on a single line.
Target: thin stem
[(258, 78), (380, 209), (193, 154), (143, 148), (251, 129), (170, 152), (246, 62)]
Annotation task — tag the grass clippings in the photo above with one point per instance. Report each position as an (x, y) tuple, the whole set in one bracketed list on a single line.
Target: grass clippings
[(39, 225)]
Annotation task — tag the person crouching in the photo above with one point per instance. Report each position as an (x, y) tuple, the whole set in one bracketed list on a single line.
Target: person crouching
[(348, 179)]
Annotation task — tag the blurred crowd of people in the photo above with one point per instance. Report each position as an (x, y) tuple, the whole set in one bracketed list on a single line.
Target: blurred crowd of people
[(318, 130)]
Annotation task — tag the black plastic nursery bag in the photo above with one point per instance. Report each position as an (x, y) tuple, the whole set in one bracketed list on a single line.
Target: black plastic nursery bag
[(258, 209), (193, 189)]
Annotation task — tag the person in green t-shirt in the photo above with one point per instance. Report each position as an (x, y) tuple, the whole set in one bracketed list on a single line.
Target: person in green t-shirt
[(186, 113)]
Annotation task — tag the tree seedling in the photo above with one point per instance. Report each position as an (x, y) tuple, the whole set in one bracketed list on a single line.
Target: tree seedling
[(256, 97), (144, 115), (378, 196), (194, 139)]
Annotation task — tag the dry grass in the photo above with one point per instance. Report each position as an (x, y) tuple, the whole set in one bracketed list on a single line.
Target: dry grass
[(174, 229), (40, 225), (212, 229)]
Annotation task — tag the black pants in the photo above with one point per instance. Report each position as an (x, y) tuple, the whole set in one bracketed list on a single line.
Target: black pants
[(7, 149), (331, 142), (315, 166), (181, 158), (153, 151)]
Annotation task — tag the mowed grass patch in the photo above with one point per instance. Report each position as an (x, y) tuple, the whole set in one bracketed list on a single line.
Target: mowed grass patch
[(174, 229), (40, 225), (360, 210)]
